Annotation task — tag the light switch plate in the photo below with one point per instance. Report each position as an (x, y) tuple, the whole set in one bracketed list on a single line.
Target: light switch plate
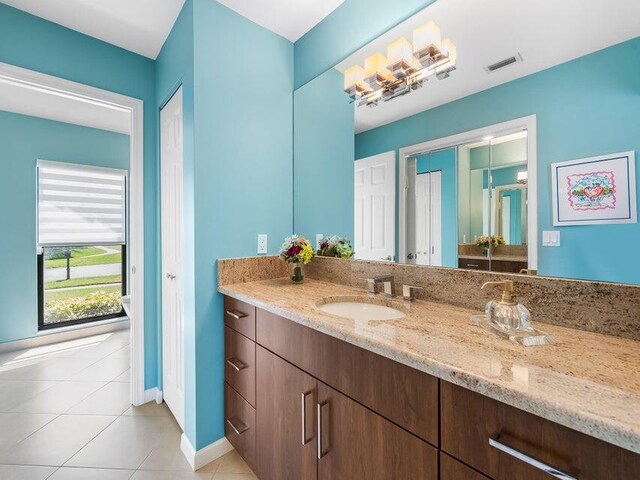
[(551, 238), (319, 238), (262, 244)]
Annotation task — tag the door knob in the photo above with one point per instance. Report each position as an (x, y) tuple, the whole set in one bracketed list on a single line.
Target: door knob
[(411, 256), (171, 276)]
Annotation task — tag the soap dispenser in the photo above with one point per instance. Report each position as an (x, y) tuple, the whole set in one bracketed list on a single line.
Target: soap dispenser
[(507, 314)]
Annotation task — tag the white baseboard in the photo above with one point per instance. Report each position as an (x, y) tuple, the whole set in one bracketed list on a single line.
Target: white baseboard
[(206, 455), (153, 394), (65, 334)]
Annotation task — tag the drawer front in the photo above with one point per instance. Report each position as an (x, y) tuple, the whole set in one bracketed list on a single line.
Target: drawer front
[(470, 420), (473, 264), (452, 469), (240, 425), (240, 364), (240, 316), (399, 393)]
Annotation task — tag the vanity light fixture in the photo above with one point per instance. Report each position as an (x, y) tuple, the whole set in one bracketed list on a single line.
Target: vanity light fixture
[(405, 68), (522, 176)]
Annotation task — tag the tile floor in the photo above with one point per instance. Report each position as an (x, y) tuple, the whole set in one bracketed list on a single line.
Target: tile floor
[(65, 415)]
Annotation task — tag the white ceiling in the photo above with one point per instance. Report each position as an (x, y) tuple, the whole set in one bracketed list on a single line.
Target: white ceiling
[(288, 18), (38, 103), (140, 26), (544, 32)]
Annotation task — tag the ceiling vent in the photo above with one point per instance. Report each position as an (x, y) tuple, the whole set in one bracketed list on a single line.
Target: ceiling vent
[(517, 58)]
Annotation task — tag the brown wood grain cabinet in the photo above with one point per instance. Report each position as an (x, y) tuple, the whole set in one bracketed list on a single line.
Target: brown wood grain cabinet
[(399, 393), (308, 406), (470, 420), (286, 427)]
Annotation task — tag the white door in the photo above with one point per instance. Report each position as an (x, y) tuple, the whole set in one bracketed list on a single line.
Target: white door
[(171, 232), (375, 207), (429, 219)]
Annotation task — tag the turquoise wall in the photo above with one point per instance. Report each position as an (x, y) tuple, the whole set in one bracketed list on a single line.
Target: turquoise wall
[(323, 190), (25, 140), (348, 28), (445, 162), (584, 108), (505, 153), (30, 42), (238, 174)]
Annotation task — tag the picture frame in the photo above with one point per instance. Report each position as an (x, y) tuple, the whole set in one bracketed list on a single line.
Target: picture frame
[(595, 190)]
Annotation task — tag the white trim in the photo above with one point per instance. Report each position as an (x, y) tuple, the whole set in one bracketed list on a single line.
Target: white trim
[(205, 455), (60, 87), (153, 395), (76, 166), (528, 123), (65, 334)]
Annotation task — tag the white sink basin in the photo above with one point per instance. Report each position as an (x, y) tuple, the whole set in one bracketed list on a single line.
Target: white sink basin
[(360, 309)]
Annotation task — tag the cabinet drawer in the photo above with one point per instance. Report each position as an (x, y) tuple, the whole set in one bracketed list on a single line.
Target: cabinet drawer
[(473, 264), (452, 469), (240, 364), (469, 420), (399, 393), (240, 423), (240, 316)]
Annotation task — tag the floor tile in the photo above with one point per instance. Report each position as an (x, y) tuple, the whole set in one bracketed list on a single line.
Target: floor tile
[(127, 442), (69, 473), (232, 462), (125, 377), (21, 472), (112, 399), (150, 409), (121, 353), (150, 475), (167, 457), (15, 427), (56, 369), (59, 398), (16, 392), (57, 441), (104, 370)]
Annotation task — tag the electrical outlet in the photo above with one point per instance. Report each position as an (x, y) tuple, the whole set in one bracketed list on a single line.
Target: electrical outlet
[(319, 238), (262, 244)]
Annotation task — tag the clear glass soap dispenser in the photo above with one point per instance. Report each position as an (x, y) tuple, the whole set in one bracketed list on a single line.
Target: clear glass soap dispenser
[(505, 313)]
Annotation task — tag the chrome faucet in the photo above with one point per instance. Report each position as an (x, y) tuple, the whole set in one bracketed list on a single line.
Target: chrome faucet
[(386, 280), (409, 292)]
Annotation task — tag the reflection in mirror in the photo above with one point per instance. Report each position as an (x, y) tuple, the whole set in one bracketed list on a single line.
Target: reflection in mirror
[(444, 138)]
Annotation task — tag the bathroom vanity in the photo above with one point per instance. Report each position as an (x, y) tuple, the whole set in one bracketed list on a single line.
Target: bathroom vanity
[(425, 397)]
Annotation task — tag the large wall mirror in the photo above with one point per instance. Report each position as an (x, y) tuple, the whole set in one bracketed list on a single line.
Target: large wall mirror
[(455, 140)]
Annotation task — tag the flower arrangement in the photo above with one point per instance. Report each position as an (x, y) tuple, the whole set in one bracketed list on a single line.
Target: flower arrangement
[(296, 251), (335, 246), (492, 241)]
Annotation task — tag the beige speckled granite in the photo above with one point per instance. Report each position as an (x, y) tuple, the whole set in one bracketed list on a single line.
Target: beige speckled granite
[(587, 382), (607, 308), (250, 269)]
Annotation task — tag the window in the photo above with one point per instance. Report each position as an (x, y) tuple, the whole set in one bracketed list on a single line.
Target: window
[(82, 240)]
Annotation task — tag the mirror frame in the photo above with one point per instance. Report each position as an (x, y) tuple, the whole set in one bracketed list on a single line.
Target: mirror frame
[(498, 129)]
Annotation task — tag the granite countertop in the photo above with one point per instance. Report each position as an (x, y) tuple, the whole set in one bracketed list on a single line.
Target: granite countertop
[(587, 381), (504, 258)]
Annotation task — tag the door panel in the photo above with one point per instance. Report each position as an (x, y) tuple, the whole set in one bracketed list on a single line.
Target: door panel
[(355, 443), (286, 397), (374, 207), (171, 236), (436, 218)]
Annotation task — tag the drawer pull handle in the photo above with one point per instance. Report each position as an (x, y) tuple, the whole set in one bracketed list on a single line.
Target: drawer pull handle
[(236, 364), (321, 452), (473, 265), (240, 428), (304, 417), (495, 442), (236, 314)]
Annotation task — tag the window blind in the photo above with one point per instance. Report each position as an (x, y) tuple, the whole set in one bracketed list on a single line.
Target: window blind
[(80, 205)]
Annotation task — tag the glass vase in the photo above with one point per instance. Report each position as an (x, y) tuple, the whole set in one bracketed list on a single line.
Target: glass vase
[(296, 272)]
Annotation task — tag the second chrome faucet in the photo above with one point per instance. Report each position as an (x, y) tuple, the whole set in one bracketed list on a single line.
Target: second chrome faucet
[(408, 291)]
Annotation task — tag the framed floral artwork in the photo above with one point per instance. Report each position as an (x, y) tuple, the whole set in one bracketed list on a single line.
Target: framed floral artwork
[(597, 190)]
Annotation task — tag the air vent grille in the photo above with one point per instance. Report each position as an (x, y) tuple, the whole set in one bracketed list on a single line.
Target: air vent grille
[(517, 58)]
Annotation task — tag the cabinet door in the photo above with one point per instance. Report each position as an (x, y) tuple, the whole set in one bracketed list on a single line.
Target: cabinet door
[(356, 443), (285, 403)]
